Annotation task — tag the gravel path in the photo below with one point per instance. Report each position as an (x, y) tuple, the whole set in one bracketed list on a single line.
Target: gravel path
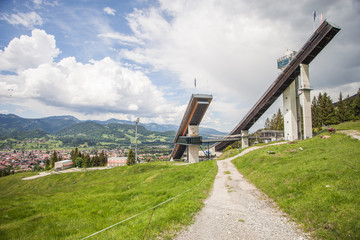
[(352, 133), (47, 173), (238, 210)]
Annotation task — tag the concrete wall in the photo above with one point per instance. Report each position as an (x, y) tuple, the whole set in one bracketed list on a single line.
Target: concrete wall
[(193, 150), (306, 100), (290, 113), (244, 139)]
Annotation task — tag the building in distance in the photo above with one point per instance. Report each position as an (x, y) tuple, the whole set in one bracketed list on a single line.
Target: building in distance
[(116, 161)]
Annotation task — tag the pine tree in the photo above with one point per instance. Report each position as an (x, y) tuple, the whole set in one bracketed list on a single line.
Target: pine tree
[(130, 158), (279, 121), (102, 159), (79, 162), (273, 122), (316, 123), (91, 162), (96, 160), (355, 107), (343, 111), (74, 154), (47, 164), (327, 110), (53, 159), (276, 122), (267, 124), (86, 162)]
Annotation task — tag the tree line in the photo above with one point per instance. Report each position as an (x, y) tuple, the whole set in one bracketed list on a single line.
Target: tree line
[(276, 122), (84, 160), (324, 112), (79, 159), (50, 163)]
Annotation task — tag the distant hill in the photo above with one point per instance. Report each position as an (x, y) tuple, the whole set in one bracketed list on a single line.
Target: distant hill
[(162, 127), (111, 134), (10, 123), (66, 126)]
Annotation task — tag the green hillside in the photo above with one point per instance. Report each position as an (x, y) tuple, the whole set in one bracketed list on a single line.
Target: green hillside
[(75, 205), (75, 133), (113, 133), (315, 181)]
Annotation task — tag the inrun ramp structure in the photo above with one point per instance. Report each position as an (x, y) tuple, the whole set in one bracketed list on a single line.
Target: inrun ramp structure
[(194, 113), (312, 47)]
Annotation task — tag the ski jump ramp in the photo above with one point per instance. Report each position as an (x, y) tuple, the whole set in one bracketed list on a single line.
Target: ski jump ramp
[(312, 47), (194, 113)]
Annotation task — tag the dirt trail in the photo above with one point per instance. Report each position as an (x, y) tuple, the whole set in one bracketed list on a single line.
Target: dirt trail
[(238, 210), (352, 133), (47, 173)]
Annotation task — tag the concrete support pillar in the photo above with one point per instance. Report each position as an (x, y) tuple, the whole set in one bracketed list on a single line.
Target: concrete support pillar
[(244, 139), (306, 100), (290, 113), (193, 150)]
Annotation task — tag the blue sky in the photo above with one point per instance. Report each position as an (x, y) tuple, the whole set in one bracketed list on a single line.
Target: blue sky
[(128, 59)]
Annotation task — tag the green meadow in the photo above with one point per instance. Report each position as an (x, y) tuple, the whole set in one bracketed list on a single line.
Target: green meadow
[(76, 205), (351, 125), (315, 181)]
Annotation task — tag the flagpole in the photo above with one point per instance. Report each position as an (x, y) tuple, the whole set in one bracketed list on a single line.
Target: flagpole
[(314, 17)]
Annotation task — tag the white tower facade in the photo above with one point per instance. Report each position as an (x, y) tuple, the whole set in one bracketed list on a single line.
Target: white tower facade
[(306, 100), (291, 102), (290, 113)]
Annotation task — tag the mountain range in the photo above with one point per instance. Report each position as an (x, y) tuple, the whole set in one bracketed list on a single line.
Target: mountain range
[(57, 124)]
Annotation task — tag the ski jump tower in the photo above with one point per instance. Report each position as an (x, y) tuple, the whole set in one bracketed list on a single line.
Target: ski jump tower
[(291, 102), (298, 64)]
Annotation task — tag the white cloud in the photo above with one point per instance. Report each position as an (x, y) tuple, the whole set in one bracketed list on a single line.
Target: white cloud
[(109, 11), (37, 2), (28, 51), (346, 89), (208, 41), (124, 39), (231, 47), (51, 3), (98, 87), (28, 20)]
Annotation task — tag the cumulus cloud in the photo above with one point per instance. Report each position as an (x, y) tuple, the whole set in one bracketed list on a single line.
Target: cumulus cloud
[(28, 20), (101, 86), (28, 51), (209, 41), (94, 88), (231, 47), (109, 11)]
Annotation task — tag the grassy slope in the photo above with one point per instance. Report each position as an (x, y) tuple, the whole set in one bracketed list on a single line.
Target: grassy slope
[(228, 154), (351, 125), (75, 205), (318, 187)]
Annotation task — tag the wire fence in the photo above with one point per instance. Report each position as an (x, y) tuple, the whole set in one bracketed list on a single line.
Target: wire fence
[(152, 208)]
